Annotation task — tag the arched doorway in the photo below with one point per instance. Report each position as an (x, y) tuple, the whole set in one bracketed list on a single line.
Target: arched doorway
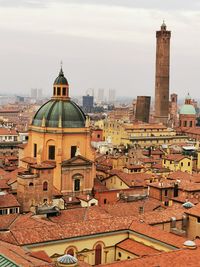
[(98, 253)]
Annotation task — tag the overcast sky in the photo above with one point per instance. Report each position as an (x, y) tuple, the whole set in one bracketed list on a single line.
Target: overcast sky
[(102, 43)]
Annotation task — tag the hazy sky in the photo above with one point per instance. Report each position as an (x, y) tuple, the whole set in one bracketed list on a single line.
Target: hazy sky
[(102, 43)]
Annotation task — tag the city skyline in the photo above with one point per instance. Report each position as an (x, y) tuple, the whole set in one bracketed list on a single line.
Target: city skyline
[(111, 45)]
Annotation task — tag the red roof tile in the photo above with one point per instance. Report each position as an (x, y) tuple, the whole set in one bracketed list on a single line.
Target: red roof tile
[(20, 256), (7, 220), (136, 248), (8, 201), (3, 184), (131, 179), (175, 157), (183, 258)]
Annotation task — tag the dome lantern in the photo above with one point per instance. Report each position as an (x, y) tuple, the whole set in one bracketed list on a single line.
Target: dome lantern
[(60, 86)]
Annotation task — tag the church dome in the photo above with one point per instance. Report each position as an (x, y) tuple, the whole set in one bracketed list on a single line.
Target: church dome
[(187, 109), (59, 113), (61, 79), (67, 259)]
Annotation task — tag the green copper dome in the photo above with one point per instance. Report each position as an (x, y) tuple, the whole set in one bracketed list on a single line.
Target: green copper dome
[(187, 109), (59, 113), (61, 78)]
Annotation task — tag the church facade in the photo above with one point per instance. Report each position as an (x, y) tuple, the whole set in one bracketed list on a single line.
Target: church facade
[(59, 135)]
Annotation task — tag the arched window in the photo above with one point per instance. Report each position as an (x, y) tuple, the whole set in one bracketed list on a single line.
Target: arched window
[(77, 185), (98, 252), (31, 184), (70, 252), (45, 186)]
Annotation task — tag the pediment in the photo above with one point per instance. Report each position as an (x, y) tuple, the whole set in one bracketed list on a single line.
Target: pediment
[(78, 160)]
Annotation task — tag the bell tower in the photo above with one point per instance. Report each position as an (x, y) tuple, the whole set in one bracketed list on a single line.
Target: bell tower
[(162, 75)]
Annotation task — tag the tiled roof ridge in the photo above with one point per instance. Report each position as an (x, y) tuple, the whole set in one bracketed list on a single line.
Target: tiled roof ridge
[(21, 256), (14, 220)]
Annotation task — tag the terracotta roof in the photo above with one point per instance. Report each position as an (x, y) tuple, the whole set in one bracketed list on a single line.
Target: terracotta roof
[(136, 248), (183, 258), (81, 214), (157, 234), (2, 172), (32, 235), (132, 208), (5, 131), (162, 184), (195, 211), (145, 126), (189, 186), (85, 197), (153, 152), (29, 160), (175, 157), (21, 257), (99, 186), (162, 216), (7, 220), (28, 229), (131, 179), (133, 166), (8, 201), (41, 255), (183, 198), (3, 184), (193, 130), (12, 176), (180, 175), (149, 160), (22, 146)]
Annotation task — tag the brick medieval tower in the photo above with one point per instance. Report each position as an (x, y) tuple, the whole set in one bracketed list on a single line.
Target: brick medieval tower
[(162, 75)]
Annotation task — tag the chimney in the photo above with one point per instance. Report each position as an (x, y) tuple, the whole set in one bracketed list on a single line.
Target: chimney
[(141, 209)]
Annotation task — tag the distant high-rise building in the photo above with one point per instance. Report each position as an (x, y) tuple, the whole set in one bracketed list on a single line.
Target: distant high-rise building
[(90, 91), (111, 95), (162, 75), (100, 94), (33, 92), (39, 93), (36, 93), (143, 108), (88, 102)]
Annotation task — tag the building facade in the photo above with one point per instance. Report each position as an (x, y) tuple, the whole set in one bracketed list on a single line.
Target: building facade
[(143, 108)]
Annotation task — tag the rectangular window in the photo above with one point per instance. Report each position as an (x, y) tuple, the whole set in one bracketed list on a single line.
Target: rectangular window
[(2, 212), (73, 151), (58, 91), (188, 164), (51, 152), (198, 219), (64, 91), (35, 150), (166, 203), (166, 192), (13, 210)]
